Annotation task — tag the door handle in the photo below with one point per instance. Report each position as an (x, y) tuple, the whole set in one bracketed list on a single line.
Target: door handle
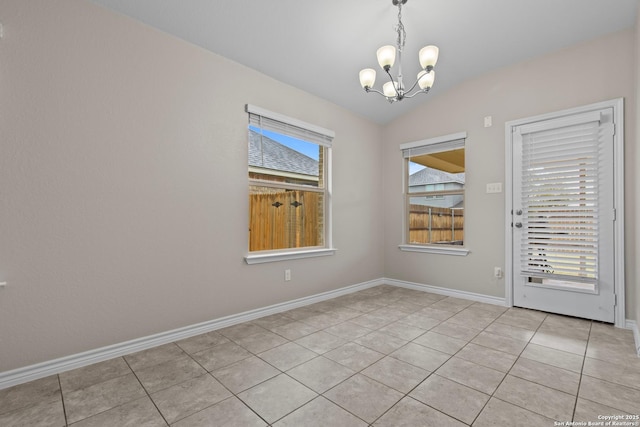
[(519, 212), (518, 225)]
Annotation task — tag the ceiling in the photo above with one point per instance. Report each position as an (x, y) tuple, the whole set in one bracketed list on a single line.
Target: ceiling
[(320, 46)]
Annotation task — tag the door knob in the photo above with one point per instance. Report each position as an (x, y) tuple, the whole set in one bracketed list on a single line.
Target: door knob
[(519, 212), (518, 225)]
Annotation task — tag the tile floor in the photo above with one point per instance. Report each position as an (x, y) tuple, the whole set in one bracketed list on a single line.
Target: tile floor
[(384, 356)]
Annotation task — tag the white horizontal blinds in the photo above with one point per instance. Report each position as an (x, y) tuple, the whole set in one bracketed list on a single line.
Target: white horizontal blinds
[(560, 202), (284, 125), (432, 148)]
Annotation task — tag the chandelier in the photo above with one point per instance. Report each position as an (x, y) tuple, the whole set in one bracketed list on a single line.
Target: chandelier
[(394, 90)]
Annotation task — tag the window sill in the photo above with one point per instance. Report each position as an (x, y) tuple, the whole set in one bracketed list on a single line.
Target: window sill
[(433, 249), (285, 256)]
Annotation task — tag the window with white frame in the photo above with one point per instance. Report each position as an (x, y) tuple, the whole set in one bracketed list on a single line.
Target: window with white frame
[(434, 177), (289, 184)]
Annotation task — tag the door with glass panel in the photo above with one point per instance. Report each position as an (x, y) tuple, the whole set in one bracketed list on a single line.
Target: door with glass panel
[(563, 215)]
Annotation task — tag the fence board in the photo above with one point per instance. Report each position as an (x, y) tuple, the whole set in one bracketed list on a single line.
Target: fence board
[(439, 222), (285, 226)]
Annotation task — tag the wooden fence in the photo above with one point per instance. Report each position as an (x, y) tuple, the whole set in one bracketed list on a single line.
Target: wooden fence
[(429, 224), (285, 219)]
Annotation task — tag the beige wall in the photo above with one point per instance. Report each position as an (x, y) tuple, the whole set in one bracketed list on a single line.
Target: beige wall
[(565, 79), (123, 199), (123, 184)]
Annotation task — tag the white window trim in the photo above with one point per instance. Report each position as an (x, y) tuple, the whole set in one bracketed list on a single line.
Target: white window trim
[(261, 257), (430, 249), (434, 249)]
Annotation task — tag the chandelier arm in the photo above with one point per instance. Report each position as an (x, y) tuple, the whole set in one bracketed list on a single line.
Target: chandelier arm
[(420, 91), (398, 95), (412, 87), (370, 89)]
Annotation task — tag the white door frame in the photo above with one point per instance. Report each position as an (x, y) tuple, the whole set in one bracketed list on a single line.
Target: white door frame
[(618, 164)]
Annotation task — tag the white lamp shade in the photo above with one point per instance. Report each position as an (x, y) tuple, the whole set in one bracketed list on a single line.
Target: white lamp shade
[(389, 89), (428, 56), (386, 56), (367, 77), (425, 80)]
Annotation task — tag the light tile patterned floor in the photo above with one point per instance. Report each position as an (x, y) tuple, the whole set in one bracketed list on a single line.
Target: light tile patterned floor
[(385, 356)]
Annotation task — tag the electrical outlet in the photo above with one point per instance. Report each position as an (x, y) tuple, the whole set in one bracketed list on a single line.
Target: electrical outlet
[(497, 272), (287, 275), (494, 187)]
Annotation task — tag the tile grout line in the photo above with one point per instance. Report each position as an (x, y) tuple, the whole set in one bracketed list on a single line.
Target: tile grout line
[(226, 388), (584, 360), (289, 376), (404, 395), (431, 373), (491, 396), (451, 356), (318, 395), (458, 351), (262, 382), (145, 391), (505, 375), (372, 379), (64, 408)]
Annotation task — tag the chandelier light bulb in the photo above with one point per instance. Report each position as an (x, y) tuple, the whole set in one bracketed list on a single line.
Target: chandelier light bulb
[(389, 89), (425, 79), (386, 57), (428, 56), (367, 77)]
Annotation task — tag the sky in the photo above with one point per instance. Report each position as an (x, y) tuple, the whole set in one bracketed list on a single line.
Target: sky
[(414, 167), (307, 148)]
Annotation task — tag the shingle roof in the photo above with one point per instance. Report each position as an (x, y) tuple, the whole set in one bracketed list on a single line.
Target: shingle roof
[(266, 153), (434, 176)]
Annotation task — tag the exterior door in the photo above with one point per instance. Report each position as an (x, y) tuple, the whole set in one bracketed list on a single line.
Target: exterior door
[(563, 215)]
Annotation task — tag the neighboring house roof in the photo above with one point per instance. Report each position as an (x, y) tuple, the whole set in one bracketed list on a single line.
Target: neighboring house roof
[(459, 205), (266, 153), (434, 176)]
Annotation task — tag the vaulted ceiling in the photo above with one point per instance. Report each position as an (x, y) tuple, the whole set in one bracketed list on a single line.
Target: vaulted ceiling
[(320, 46)]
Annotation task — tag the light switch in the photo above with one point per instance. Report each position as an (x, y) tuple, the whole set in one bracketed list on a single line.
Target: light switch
[(487, 121)]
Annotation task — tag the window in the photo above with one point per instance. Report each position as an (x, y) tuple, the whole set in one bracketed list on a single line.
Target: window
[(289, 187), (434, 193)]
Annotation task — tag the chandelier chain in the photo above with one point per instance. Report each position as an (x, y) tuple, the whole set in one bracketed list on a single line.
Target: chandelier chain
[(402, 34)]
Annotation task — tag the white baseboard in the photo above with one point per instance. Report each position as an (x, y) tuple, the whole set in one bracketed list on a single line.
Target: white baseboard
[(633, 325), (448, 292), (74, 361)]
